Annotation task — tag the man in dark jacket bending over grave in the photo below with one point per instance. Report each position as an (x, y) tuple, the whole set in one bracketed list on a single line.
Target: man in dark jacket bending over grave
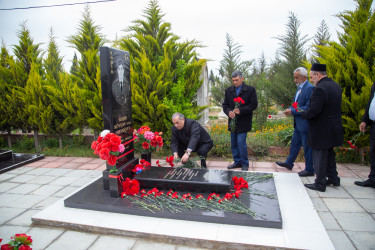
[(189, 136)]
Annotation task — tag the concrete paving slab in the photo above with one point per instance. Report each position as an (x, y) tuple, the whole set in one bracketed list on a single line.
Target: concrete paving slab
[(43, 237), (65, 191), (334, 192), (367, 204), (22, 178), (46, 203), (24, 188), (22, 170), (27, 201), (361, 192), (340, 240), (73, 240), (7, 199), (355, 221), (78, 173), (8, 213), (348, 182), (39, 171), (150, 245), (24, 219), (343, 205), (82, 181), (47, 190), (362, 240), (6, 176), (329, 221), (52, 165), (42, 179), (113, 242), (319, 205), (64, 180), (36, 164), (5, 186), (58, 172), (70, 165), (7, 231)]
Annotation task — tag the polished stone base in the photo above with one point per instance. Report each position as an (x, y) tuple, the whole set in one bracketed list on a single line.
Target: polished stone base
[(11, 160), (267, 210)]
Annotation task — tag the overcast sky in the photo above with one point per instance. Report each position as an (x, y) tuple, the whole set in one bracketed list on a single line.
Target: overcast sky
[(251, 23)]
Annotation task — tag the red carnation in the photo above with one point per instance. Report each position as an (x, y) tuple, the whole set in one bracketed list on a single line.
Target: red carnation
[(145, 145), (154, 142), (295, 105), (116, 140), (6, 247), (112, 160), (104, 153), (94, 144)]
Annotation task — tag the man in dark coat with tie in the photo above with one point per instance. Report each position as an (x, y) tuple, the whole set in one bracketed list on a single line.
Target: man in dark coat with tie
[(244, 116), (368, 119), (189, 136), (325, 127), (302, 97)]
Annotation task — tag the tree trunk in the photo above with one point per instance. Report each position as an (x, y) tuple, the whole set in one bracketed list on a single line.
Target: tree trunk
[(9, 138), (96, 134), (36, 139), (60, 142)]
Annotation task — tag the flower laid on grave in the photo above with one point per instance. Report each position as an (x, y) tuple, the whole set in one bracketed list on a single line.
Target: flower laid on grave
[(168, 160), (155, 200), (148, 139), (18, 242), (130, 187), (144, 165), (237, 102), (108, 146)]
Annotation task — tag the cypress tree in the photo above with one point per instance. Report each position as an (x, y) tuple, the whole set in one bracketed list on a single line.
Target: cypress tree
[(231, 61), (350, 62), (87, 41), (292, 52), (154, 55)]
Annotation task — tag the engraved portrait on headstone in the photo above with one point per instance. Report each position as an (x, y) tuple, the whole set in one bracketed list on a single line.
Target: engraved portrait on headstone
[(120, 85)]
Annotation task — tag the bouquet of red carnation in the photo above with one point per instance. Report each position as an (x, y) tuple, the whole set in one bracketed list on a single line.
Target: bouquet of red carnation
[(147, 138), (237, 102), (130, 187), (18, 242), (108, 146)]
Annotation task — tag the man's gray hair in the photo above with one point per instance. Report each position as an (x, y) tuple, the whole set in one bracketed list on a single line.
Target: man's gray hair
[(179, 115), (302, 71), (237, 73)]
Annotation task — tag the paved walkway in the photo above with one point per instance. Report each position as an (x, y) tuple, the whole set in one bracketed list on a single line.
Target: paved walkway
[(347, 212)]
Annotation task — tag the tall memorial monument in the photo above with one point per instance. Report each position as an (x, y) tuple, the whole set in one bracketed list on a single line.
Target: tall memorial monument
[(117, 108)]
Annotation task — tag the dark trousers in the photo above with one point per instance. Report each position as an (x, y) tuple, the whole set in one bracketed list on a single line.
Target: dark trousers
[(300, 139), (372, 154), (324, 166), (202, 149)]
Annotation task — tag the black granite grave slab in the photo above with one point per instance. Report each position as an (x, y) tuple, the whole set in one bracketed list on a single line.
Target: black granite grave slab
[(18, 160), (262, 200), (185, 179)]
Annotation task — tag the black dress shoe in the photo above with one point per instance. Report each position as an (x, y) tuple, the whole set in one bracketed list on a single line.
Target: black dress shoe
[(305, 173), (284, 165), (314, 187), (366, 183), (234, 165), (335, 184)]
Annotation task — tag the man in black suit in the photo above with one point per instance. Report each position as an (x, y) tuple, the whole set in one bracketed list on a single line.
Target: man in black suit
[(189, 136), (325, 127), (244, 116), (368, 120)]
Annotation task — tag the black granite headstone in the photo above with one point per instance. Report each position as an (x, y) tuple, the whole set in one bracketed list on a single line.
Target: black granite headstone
[(117, 111), (116, 98), (10, 160), (185, 179)]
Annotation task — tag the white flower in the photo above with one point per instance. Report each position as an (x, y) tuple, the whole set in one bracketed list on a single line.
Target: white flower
[(104, 133)]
